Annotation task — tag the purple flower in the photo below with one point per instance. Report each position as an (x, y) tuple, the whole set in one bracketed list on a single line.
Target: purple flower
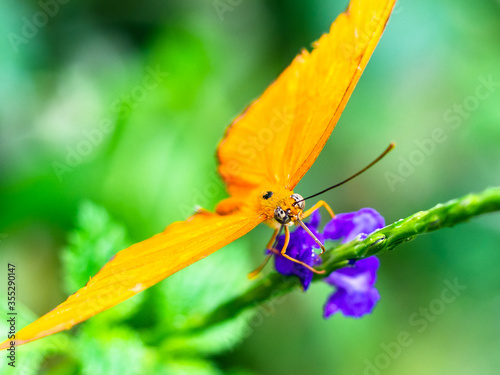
[(355, 295), (351, 224), (300, 247)]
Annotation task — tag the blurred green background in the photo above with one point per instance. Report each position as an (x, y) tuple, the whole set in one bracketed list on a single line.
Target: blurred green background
[(122, 104)]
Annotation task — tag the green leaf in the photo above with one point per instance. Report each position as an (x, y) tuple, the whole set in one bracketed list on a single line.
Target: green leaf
[(113, 351), (191, 293), (28, 358)]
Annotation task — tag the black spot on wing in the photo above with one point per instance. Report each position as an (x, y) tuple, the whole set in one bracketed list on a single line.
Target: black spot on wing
[(268, 195)]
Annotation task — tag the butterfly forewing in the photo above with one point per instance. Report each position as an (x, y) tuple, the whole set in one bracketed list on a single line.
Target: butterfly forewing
[(280, 135), (141, 266)]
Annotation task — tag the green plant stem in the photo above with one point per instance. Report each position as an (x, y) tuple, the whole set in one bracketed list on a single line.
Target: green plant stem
[(388, 238)]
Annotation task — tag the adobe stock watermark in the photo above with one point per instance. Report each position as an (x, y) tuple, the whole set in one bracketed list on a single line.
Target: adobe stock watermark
[(398, 8), (248, 151), (365, 33), (38, 20), (261, 312), (419, 321), (100, 300), (122, 107), (35, 362), (250, 148), (223, 6), (203, 196), (454, 117), (139, 93)]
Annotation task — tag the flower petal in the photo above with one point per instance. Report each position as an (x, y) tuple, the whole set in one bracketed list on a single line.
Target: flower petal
[(314, 220), (351, 224), (354, 305), (300, 247), (355, 295)]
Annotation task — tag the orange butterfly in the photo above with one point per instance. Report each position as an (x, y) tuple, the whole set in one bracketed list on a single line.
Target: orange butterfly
[(263, 155)]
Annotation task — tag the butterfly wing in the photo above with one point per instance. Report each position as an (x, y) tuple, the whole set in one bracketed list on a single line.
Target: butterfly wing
[(140, 266), (275, 140), (280, 135)]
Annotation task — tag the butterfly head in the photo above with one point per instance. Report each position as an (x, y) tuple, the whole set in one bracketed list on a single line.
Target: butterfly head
[(280, 206), (289, 210)]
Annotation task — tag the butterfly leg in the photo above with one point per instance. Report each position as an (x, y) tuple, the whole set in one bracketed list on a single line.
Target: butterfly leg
[(270, 247), (312, 235), (283, 253), (316, 207), (308, 213), (252, 275)]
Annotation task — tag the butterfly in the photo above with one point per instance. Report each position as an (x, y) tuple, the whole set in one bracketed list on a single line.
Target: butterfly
[(264, 153)]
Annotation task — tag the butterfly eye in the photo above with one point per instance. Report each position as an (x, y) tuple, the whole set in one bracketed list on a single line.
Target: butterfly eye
[(281, 216), (299, 201)]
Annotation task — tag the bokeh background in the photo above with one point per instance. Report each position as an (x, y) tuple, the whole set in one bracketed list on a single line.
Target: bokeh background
[(110, 113)]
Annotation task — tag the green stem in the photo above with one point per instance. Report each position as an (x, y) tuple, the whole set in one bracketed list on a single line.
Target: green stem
[(440, 216)]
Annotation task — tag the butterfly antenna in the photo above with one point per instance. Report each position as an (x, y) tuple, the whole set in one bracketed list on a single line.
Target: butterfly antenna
[(387, 150)]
